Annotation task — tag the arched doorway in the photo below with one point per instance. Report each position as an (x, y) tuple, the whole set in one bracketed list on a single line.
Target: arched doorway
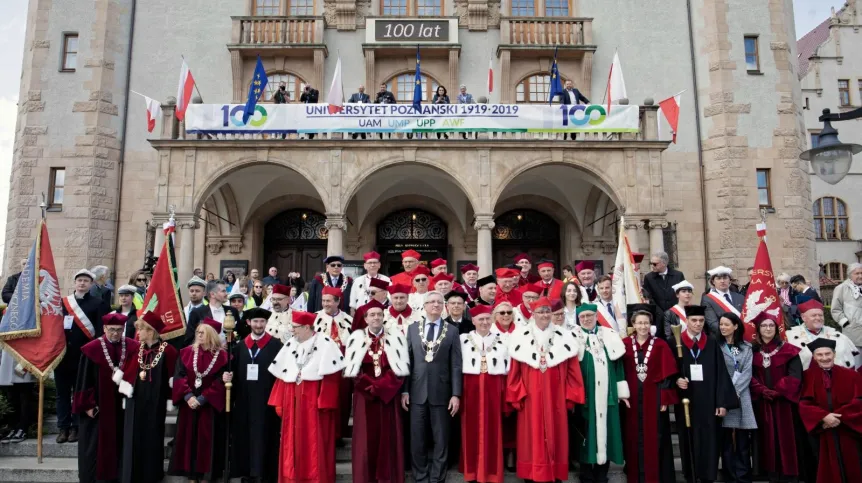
[(525, 231), (295, 241), (413, 229)]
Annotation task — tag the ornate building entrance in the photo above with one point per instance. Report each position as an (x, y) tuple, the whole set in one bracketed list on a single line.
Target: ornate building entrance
[(528, 231), (295, 241), (411, 229)]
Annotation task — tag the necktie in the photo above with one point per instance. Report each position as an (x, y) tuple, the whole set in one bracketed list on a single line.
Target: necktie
[(727, 297), (430, 335), (611, 310)]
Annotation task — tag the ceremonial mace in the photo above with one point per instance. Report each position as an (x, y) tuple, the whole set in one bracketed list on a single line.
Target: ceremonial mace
[(677, 331), (229, 326), (685, 403)]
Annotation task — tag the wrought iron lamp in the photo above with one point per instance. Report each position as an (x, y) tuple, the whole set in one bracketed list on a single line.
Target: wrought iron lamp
[(831, 159)]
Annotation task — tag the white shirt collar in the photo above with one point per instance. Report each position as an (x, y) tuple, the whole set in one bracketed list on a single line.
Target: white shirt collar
[(606, 302), (664, 273), (257, 337), (720, 292)]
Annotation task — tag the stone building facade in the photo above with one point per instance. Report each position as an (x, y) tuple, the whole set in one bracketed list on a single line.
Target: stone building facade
[(288, 202), (831, 78)]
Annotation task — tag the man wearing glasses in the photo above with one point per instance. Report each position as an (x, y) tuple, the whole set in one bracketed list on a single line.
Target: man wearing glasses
[(332, 277), (659, 282), (432, 391), (362, 285)]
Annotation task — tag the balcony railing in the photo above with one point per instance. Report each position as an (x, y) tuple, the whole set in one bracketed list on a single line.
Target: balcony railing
[(538, 31), (277, 31)]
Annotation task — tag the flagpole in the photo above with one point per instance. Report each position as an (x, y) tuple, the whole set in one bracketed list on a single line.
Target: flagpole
[(605, 95), (194, 81), (41, 420)]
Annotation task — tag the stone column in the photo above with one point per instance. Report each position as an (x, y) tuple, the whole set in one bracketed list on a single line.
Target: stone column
[(656, 235), (186, 261), (484, 250), (335, 240), (160, 238), (632, 234)]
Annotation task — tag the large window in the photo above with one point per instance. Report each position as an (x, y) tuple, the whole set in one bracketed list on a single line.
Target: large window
[(429, 8), (56, 188), (70, 52), (830, 219), (764, 193), (752, 56), (402, 87), (523, 8), (815, 139), (843, 92), (293, 85), (535, 88), (419, 8), (301, 7), (556, 8), (267, 7), (836, 271)]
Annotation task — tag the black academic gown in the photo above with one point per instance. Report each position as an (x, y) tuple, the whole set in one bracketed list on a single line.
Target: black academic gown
[(478, 301), (715, 391), (144, 420), (255, 427), (315, 293)]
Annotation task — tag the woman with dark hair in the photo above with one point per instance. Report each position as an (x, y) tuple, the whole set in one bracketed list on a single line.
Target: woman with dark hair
[(140, 280), (257, 293), (776, 384), (441, 97), (739, 423), (571, 298), (229, 279)]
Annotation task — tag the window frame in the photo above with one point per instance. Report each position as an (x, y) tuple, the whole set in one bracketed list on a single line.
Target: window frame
[(756, 40), (822, 218), (431, 85), (568, 7), (52, 186), (64, 50), (527, 92), (813, 140), (273, 81), (411, 9), (767, 188), (844, 90), (290, 6), (842, 270), (534, 14)]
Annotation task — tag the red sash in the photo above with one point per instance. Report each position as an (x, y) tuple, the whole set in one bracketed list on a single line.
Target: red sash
[(79, 316), (723, 303), (679, 313), (603, 316)]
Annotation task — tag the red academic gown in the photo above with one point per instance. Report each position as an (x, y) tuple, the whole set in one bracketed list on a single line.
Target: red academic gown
[(647, 429), (513, 297), (510, 421), (552, 290), (403, 278), (101, 440), (483, 404), (530, 278), (776, 389), (198, 446), (542, 401), (308, 425), (377, 453), (840, 447)]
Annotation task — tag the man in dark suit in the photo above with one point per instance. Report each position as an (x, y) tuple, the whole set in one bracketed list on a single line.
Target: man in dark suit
[(659, 282), (801, 287), (571, 96), (359, 98), (720, 299), (309, 95), (432, 391), (11, 283), (217, 296)]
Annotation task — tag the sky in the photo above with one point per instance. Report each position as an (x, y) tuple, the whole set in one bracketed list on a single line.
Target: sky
[(808, 13)]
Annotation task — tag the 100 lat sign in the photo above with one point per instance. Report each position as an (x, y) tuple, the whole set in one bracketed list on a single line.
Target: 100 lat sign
[(414, 30)]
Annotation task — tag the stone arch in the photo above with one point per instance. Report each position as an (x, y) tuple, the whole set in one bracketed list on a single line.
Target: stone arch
[(559, 213), (599, 205), (352, 186), (400, 70)]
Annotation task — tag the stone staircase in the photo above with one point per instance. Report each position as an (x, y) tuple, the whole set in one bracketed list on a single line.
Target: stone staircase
[(59, 462)]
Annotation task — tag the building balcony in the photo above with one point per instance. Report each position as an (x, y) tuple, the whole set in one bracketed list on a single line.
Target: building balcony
[(526, 36), (276, 35)]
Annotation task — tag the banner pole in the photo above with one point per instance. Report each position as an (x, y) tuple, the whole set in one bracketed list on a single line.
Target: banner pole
[(41, 420)]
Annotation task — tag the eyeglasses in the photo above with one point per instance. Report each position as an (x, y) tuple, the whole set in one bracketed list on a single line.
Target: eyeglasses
[(558, 314), (258, 286), (435, 302), (420, 279), (334, 265), (531, 297), (653, 264), (505, 312), (141, 280)]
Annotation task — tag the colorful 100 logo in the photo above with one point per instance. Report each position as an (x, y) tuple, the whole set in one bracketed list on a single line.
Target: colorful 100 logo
[(230, 116), (580, 115)]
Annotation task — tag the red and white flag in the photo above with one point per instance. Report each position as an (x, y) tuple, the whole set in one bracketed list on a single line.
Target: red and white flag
[(616, 82), (626, 283), (670, 108), (761, 300), (335, 97), (490, 76), (184, 90), (154, 111)]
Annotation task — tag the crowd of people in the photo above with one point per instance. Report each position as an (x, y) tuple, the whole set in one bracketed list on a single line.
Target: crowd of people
[(517, 371)]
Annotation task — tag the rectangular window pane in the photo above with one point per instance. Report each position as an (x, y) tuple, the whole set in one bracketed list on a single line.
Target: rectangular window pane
[(818, 229), (763, 197), (428, 8), (519, 93), (556, 8), (815, 139), (70, 52), (844, 92), (523, 8), (267, 7), (56, 188), (761, 178), (830, 229), (842, 210), (842, 229), (827, 207), (817, 208), (752, 62), (58, 196), (60, 177), (394, 7), (302, 7)]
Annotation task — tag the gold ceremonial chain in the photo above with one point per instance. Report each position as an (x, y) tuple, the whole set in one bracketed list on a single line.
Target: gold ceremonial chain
[(145, 367), (432, 347), (325, 279), (767, 358), (199, 378), (375, 356), (483, 367), (108, 356), (642, 368)]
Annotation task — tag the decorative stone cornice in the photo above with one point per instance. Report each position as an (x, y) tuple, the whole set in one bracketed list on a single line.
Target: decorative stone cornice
[(484, 222), (216, 243), (335, 221), (478, 15)]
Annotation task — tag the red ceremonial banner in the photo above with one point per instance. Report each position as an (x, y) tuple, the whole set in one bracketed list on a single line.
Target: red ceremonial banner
[(762, 295), (163, 296)]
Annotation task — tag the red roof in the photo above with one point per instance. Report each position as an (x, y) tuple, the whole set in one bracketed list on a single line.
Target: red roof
[(807, 45)]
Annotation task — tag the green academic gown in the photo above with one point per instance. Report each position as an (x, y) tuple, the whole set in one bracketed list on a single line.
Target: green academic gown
[(604, 383)]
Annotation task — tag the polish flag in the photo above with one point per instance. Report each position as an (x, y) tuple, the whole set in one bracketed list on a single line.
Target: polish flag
[(616, 83), (670, 108), (490, 76), (335, 97), (184, 91), (154, 111)]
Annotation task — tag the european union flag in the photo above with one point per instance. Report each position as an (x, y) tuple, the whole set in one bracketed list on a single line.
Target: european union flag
[(417, 87), (255, 90), (556, 83)]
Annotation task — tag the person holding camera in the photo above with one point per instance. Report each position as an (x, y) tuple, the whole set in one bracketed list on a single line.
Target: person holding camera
[(282, 96), (309, 95)]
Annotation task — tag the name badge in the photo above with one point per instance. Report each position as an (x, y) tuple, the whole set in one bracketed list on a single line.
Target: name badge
[(68, 321), (696, 372), (251, 372)]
